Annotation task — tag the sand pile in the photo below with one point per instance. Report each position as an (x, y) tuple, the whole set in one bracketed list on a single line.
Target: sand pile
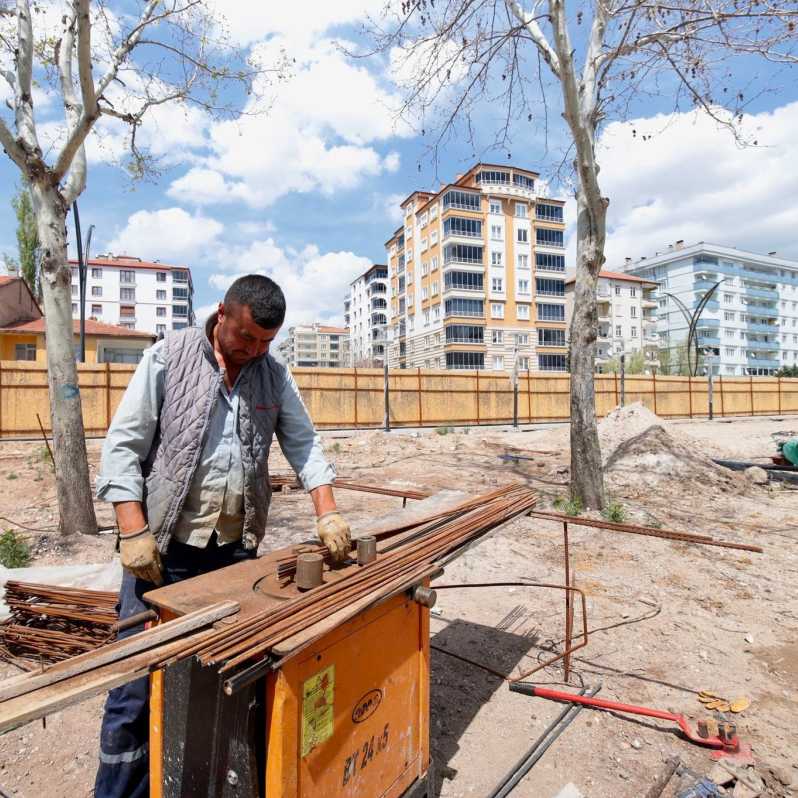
[(637, 451)]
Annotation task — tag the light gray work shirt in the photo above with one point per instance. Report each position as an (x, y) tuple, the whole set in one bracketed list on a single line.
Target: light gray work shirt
[(215, 498)]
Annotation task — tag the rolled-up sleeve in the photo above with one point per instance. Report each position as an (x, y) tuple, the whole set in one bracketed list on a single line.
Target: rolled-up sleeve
[(299, 440), (132, 431)]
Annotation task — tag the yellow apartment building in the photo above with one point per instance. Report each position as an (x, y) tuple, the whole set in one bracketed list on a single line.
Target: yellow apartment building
[(477, 276)]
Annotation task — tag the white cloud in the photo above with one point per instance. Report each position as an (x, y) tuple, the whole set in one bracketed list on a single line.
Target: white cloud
[(314, 282), (692, 182), (320, 134), (166, 234)]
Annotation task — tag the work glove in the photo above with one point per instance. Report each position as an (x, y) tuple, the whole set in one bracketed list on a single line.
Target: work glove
[(334, 533), (139, 553)]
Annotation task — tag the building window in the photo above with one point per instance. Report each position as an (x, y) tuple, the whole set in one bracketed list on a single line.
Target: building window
[(523, 235), (160, 295), (110, 355), (127, 276), (495, 206), (424, 292), (96, 310), (549, 263), (632, 291), (25, 352), (436, 313), (423, 244), (433, 238), (464, 281), (462, 253), (549, 238), (459, 226), (465, 360), (497, 310), (496, 232), (520, 210), (463, 200), (74, 308), (551, 312), (501, 178), (728, 315), (523, 181), (523, 312), (433, 212), (618, 331), (426, 318), (546, 286), (74, 290), (551, 362), (160, 329), (464, 307), (127, 294), (497, 336), (634, 332), (495, 258), (523, 261), (160, 277), (731, 351), (96, 290), (179, 325), (434, 265), (465, 334), (548, 337), (498, 362), (497, 284), (633, 312), (521, 339), (548, 213), (179, 310), (161, 312), (96, 273), (728, 299), (617, 290), (523, 287), (434, 288), (179, 277)]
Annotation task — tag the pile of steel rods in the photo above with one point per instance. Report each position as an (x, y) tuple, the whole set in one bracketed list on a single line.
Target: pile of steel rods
[(392, 571), (49, 623)]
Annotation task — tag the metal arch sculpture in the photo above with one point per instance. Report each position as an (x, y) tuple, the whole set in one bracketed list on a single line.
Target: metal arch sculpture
[(692, 323)]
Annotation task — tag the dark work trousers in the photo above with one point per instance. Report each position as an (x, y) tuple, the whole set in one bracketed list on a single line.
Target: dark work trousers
[(124, 735)]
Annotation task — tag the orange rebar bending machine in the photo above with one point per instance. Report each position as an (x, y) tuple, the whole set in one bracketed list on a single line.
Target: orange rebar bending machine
[(348, 715)]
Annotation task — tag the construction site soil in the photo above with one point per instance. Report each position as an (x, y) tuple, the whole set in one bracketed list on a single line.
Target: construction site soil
[(667, 619)]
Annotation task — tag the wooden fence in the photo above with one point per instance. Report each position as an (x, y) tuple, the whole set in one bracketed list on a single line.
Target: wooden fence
[(355, 397)]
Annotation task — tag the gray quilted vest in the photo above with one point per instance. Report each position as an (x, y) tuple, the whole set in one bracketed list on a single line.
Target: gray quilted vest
[(192, 382)]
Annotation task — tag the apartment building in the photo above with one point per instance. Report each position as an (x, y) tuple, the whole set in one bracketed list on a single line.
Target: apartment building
[(477, 276), (366, 316), (627, 314), (750, 323), (316, 345), (135, 294)]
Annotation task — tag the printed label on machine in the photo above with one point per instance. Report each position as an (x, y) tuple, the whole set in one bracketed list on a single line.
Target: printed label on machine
[(318, 698)]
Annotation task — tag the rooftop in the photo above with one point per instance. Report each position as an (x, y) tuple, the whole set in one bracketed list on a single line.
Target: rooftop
[(92, 328), (129, 262), (679, 250), (618, 276)]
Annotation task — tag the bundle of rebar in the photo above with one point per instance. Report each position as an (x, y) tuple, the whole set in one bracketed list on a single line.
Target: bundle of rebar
[(49, 623), (399, 564)]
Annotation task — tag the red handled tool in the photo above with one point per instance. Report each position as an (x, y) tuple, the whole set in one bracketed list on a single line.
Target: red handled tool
[(727, 738)]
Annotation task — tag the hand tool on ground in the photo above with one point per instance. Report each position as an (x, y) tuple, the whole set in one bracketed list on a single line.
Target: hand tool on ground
[(726, 740)]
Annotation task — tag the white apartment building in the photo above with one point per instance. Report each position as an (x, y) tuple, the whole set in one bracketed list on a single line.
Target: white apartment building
[(750, 324), (136, 294), (316, 346), (627, 314), (477, 275), (366, 316)]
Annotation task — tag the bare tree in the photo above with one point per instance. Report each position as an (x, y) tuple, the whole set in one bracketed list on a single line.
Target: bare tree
[(102, 65), (591, 61)]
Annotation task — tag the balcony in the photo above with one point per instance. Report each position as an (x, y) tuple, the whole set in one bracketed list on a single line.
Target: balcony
[(508, 190), (765, 346), (708, 340), (649, 303), (377, 288), (760, 327), (756, 310), (704, 285), (761, 293), (763, 362)]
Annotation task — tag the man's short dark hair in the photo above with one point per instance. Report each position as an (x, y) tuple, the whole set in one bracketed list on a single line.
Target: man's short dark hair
[(263, 297)]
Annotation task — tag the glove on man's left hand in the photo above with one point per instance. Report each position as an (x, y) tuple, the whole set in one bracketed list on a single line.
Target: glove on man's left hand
[(335, 534)]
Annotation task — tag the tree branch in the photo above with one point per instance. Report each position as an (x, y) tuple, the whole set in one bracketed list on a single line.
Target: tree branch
[(538, 37), (23, 101), (84, 58), (12, 147), (78, 134)]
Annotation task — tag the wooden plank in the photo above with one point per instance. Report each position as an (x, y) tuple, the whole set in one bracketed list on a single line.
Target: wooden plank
[(55, 697), (118, 650)]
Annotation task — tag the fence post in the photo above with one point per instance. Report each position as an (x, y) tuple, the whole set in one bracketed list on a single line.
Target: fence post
[(418, 387), (751, 391), (355, 371), (615, 381), (107, 395), (654, 375), (529, 394), (709, 393), (623, 379), (386, 396), (720, 387), (477, 373), (778, 386), (690, 395), (515, 402)]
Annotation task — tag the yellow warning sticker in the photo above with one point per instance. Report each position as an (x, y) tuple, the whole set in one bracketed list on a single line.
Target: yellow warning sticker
[(318, 712)]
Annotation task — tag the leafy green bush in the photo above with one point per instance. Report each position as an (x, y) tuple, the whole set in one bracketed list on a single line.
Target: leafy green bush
[(614, 512), (14, 551), (569, 506), (11, 475)]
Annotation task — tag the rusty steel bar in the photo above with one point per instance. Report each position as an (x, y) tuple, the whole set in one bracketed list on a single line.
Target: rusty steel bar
[(566, 663)]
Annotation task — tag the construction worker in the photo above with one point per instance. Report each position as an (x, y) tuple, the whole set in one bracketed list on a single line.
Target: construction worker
[(185, 463)]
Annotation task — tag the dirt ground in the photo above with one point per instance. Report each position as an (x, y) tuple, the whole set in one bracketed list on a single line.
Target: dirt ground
[(666, 619)]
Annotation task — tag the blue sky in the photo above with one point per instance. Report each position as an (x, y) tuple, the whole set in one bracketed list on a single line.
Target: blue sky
[(309, 192)]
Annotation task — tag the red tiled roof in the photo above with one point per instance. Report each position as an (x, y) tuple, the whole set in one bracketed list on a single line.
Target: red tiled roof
[(127, 262), (338, 330), (92, 328), (6, 279), (618, 276)]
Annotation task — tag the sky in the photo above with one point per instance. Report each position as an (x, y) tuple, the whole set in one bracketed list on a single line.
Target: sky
[(309, 191)]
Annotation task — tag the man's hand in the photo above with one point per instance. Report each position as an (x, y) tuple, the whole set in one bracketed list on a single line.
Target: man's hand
[(139, 553), (334, 533)]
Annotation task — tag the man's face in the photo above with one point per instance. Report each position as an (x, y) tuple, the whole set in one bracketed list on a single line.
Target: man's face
[(238, 337)]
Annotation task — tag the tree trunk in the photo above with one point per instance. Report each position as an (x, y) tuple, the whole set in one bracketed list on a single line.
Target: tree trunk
[(73, 486), (587, 480)]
